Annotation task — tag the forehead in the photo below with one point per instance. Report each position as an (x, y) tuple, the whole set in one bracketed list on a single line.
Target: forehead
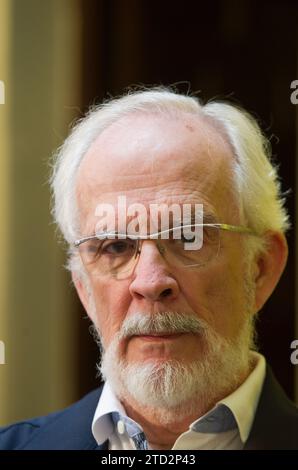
[(154, 158)]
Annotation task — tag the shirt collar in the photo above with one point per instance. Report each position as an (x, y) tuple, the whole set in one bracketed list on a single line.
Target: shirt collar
[(235, 410), (102, 424), (108, 412), (244, 400)]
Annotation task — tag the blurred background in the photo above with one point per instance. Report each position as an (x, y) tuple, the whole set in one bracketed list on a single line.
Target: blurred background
[(56, 58)]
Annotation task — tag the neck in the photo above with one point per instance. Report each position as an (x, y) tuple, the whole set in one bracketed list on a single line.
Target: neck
[(162, 427)]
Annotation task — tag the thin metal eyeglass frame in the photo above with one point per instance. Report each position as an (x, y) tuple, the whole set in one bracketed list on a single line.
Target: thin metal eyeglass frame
[(152, 236)]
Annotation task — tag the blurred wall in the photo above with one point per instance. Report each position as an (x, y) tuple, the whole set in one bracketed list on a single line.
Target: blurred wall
[(40, 64)]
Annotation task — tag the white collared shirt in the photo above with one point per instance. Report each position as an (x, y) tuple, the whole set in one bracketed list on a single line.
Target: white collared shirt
[(226, 426)]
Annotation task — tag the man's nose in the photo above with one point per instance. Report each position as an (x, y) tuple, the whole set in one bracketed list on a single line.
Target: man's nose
[(153, 279)]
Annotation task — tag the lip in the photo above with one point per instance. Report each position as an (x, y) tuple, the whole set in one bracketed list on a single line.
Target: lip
[(160, 337)]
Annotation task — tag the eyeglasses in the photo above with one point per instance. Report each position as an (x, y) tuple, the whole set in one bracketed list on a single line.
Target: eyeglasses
[(116, 254)]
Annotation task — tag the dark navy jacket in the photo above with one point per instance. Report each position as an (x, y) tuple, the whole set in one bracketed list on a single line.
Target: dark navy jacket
[(275, 425)]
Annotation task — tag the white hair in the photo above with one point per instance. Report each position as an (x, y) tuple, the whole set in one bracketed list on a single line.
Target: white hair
[(256, 177)]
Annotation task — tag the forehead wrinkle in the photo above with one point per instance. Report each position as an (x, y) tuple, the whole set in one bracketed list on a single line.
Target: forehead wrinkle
[(210, 199), (192, 175)]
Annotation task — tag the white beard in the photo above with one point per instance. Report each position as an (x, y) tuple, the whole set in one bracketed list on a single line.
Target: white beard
[(172, 389)]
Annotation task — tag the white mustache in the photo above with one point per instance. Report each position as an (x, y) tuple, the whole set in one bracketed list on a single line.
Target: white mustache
[(161, 323)]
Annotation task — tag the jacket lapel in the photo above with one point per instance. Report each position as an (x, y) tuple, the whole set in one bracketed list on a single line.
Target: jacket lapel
[(70, 430), (276, 421)]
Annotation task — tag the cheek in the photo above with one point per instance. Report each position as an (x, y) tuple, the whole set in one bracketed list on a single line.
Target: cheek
[(112, 301), (217, 295)]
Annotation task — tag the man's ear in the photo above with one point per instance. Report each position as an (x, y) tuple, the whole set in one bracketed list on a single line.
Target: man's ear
[(83, 293), (269, 266)]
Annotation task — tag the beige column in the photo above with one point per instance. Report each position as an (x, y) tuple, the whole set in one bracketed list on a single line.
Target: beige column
[(4, 199), (40, 50)]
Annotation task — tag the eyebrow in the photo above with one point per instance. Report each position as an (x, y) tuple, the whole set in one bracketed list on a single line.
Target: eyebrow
[(208, 218)]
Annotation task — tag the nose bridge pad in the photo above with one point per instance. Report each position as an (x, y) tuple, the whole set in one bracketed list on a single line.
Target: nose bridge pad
[(159, 246), (138, 248), (136, 255)]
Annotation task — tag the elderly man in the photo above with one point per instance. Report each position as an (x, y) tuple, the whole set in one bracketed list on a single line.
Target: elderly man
[(175, 224)]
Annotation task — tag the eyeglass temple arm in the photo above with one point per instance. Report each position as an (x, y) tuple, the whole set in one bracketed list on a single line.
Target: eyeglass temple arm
[(235, 228)]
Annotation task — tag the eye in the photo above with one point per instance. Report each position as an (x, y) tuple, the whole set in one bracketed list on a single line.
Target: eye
[(177, 237), (118, 247), (187, 240), (188, 234)]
